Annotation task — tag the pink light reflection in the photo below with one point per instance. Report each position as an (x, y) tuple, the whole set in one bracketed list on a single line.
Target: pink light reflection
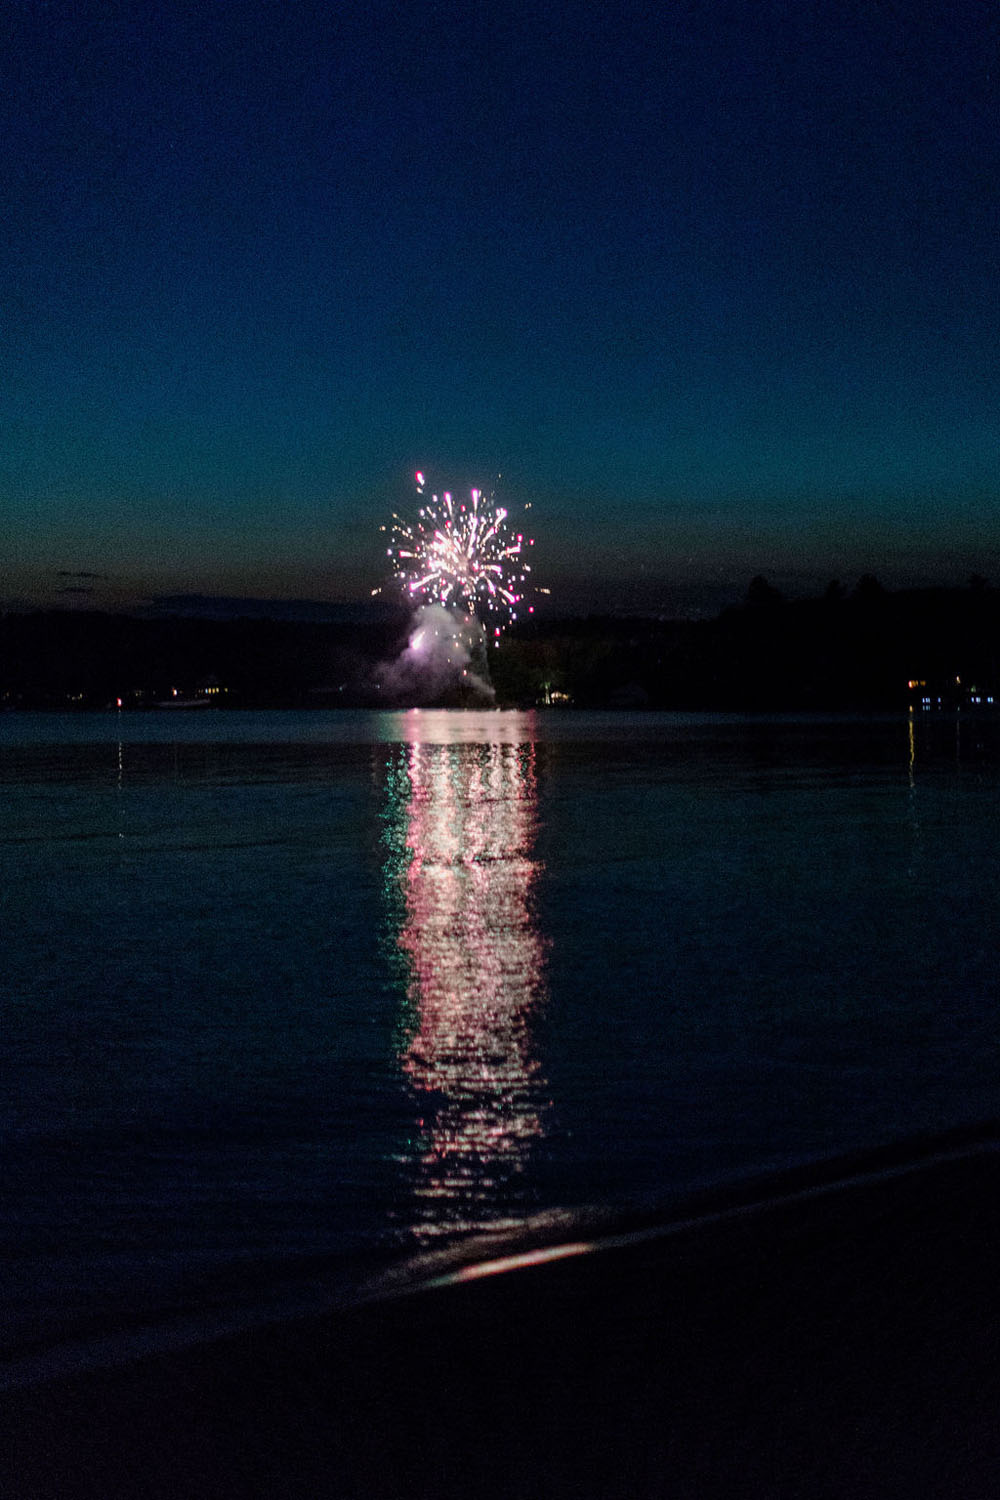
[(476, 963)]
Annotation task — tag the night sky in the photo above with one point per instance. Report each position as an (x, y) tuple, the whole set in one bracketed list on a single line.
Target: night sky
[(714, 285)]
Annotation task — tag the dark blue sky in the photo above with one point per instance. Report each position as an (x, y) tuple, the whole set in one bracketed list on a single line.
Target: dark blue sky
[(713, 285)]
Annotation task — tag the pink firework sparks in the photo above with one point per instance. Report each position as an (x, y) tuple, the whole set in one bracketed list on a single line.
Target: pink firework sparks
[(461, 554)]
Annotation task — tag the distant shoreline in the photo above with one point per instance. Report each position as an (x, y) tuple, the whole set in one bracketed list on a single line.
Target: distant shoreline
[(873, 650)]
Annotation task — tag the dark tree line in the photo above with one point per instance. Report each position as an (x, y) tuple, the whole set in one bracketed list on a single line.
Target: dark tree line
[(857, 649), (840, 651)]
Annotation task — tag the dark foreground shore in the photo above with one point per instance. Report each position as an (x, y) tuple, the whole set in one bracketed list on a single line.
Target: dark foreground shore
[(824, 1334)]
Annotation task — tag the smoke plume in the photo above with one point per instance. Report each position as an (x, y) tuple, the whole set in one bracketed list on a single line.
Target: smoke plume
[(444, 662)]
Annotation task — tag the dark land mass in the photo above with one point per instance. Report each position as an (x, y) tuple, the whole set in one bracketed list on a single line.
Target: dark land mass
[(826, 1334), (871, 650)]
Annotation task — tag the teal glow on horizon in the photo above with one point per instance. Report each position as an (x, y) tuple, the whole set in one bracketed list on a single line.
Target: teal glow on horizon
[(717, 296)]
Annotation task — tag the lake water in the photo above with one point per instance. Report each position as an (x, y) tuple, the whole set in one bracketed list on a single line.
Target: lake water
[(288, 995)]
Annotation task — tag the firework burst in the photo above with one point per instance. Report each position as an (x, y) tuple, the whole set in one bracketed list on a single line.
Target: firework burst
[(461, 554)]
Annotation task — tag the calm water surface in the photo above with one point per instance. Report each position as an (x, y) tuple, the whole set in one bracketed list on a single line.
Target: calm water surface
[(286, 995)]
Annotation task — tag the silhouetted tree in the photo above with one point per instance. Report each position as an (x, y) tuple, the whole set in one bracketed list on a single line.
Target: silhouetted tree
[(868, 589), (760, 593)]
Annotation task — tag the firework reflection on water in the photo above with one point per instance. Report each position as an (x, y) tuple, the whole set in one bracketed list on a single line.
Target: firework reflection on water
[(463, 866)]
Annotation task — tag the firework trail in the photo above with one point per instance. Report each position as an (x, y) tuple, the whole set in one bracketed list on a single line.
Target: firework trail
[(461, 555)]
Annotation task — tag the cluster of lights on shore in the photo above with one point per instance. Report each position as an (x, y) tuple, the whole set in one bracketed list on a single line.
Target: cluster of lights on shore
[(462, 554)]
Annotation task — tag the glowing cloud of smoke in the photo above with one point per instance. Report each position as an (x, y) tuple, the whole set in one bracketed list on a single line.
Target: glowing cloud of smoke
[(444, 659)]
